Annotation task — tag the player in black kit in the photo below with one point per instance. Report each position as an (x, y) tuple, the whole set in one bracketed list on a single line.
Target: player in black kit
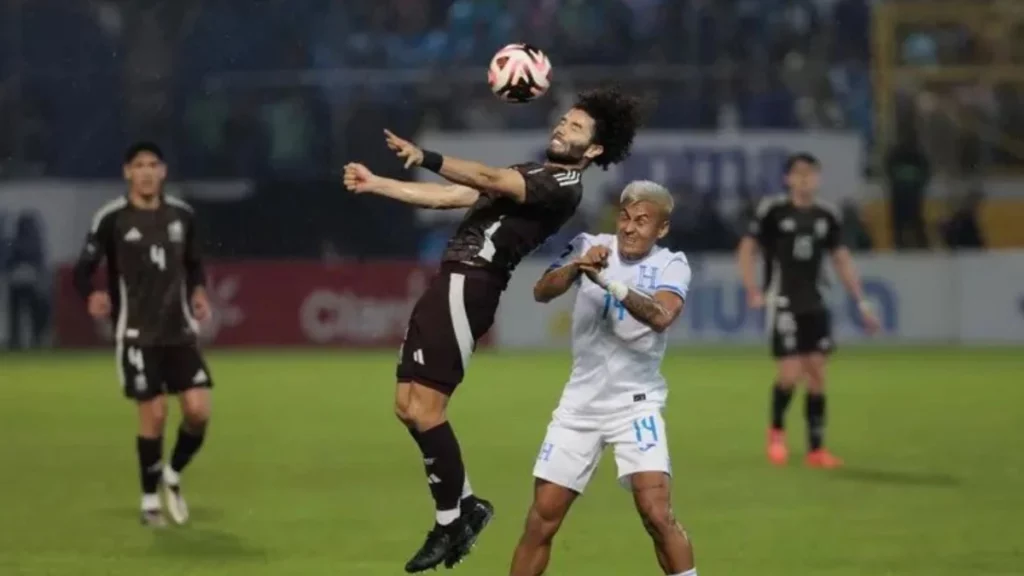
[(795, 231), (155, 297), (511, 212)]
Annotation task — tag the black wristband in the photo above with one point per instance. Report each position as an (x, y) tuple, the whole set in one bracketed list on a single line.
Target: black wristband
[(432, 161)]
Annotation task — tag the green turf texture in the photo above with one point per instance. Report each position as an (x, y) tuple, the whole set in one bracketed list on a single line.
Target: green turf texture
[(306, 471)]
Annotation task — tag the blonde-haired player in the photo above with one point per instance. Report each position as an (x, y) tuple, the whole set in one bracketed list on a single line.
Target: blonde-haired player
[(630, 292)]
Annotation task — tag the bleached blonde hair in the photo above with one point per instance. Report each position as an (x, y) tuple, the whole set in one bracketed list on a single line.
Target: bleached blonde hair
[(648, 191)]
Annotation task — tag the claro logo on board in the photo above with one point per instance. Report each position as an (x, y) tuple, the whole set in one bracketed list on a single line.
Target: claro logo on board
[(327, 315)]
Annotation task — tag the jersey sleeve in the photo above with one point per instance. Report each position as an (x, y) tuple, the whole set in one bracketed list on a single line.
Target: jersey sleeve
[(676, 277), (834, 237), (195, 271), (546, 188), (98, 243), (576, 248), (759, 227)]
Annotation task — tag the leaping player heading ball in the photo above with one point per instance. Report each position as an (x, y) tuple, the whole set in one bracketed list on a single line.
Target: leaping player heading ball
[(511, 212)]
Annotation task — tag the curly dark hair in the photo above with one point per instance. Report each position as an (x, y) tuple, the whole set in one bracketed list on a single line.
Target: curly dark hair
[(616, 119)]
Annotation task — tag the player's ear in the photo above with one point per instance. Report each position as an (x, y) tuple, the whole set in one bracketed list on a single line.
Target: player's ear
[(663, 229), (126, 172), (593, 151), (161, 170)]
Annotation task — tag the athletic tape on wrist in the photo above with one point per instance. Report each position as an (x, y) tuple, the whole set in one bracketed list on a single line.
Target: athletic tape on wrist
[(618, 290)]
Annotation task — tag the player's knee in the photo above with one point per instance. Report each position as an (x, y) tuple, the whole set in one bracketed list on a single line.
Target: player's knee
[(416, 415), (420, 410), (195, 418), (657, 518), (542, 523), (152, 416), (815, 376), (788, 373), (195, 409), (402, 411)]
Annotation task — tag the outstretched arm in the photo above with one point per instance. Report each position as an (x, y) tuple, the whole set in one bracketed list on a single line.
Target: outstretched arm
[(501, 181), (427, 194), (360, 180)]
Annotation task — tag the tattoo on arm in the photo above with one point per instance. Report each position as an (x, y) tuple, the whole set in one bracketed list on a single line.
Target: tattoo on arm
[(555, 283), (645, 309)]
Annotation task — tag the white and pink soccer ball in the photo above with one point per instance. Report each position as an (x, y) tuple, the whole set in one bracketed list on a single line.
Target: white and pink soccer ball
[(519, 73)]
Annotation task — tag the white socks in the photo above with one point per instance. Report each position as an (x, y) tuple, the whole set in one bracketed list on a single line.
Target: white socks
[(691, 572), (446, 517), (150, 502), (171, 477)]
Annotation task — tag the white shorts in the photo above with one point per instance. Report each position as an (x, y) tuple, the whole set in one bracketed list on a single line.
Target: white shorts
[(573, 446)]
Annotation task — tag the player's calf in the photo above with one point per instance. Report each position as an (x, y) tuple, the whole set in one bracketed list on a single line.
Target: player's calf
[(195, 408), (422, 410), (149, 450), (551, 504), (789, 371), (651, 494), (815, 412)]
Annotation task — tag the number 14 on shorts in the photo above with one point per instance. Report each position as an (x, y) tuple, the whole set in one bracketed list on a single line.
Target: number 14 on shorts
[(646, 430)]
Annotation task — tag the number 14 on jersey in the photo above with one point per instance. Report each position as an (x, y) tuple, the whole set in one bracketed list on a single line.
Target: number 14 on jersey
[(614, 307)]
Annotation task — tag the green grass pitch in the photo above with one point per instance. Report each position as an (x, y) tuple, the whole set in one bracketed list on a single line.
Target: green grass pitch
[(306, 472)]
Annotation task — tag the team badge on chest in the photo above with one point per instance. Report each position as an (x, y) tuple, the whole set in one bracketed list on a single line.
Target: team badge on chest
[(175, 231), (821, 227)]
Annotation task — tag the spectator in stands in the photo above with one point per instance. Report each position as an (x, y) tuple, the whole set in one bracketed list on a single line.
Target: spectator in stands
[(962, 230), (26, 275), (908, 173), (855, 233), (712, 233), (682, 232)]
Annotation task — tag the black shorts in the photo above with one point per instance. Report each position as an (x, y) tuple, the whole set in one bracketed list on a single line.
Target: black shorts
[(455, 311), (150, 371), (800, 333)]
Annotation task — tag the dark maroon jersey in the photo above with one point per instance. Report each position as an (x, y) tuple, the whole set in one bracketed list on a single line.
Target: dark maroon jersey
[(497, 232)]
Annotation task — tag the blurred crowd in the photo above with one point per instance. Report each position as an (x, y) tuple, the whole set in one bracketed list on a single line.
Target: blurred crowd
[(220, 82), (287, 90)]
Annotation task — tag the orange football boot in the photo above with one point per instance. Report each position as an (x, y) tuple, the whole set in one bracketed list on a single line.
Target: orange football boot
[(822, 458), (778, 453)]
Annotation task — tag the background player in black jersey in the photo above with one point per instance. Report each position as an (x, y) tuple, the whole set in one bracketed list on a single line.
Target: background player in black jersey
[(795, 231), (512, 211), (155, 297)]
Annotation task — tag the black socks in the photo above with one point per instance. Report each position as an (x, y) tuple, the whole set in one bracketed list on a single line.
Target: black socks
[(442, 458), (186, 447), (815, 412), (149, 451), (780, 402)]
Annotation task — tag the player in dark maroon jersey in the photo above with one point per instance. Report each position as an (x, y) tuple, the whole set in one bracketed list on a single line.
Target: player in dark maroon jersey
[(795, 232), (511, 212)]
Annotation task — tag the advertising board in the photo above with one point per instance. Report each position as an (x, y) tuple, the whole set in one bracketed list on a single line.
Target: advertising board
[(356, 305)]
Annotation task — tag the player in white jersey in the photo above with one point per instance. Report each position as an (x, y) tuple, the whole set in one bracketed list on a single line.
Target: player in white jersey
[(629, 292)]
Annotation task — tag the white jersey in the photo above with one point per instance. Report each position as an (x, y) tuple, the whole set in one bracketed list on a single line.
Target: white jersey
[(616, 358)]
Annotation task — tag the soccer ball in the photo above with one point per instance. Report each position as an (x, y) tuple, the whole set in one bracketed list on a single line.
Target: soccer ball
[(519, 73)]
